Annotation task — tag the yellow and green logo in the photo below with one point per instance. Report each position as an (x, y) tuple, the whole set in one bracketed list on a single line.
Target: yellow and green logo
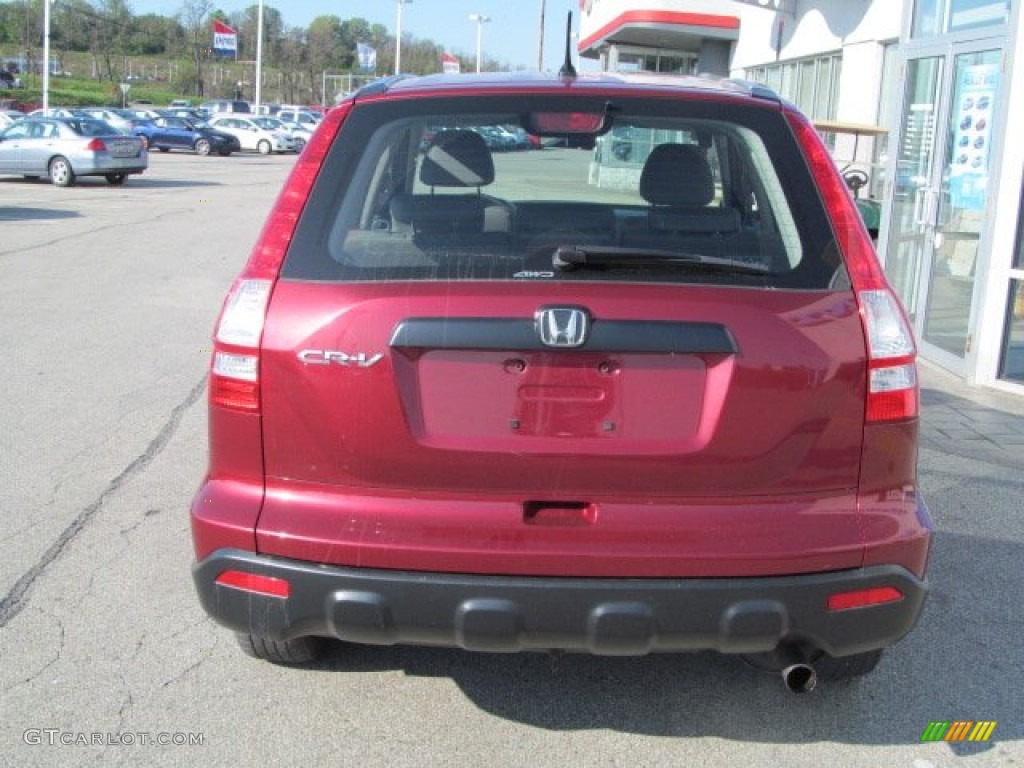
[(958, 730)]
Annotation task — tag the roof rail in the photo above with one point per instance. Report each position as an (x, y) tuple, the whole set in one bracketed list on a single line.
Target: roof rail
[(381, 85), (757, 90)]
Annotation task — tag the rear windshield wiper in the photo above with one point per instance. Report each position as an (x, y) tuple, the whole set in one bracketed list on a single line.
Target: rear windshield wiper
[(569, 257)]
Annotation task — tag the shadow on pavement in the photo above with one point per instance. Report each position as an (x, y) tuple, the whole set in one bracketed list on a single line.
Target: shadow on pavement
[(960, 663), (17, 213)]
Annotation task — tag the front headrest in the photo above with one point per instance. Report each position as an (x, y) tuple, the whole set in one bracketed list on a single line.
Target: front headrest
[(677, 175), (457, 159)]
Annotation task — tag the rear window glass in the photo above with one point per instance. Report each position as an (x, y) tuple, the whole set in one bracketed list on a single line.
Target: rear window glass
[(671, 190)]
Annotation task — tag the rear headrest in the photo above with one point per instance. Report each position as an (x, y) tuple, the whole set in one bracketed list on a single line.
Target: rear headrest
[(457, 159), (677, 175)]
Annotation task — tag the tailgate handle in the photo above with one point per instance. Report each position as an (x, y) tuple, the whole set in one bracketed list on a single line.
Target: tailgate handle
[(573, 514)]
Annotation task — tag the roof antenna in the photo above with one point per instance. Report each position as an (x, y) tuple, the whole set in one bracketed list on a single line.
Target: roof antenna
[(568, 71)]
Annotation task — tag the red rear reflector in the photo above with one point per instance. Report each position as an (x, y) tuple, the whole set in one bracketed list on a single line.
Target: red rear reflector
[(892, 406), (240, 395), (842, 601), (96, 145), (251, 582)]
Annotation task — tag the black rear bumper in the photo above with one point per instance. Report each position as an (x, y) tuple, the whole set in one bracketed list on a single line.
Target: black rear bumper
[(600, 616)]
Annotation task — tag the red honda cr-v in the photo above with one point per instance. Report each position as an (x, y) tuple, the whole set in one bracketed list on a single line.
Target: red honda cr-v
[(638, 384)]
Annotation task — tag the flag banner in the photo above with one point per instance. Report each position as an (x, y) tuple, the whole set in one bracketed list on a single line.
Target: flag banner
[(225, 40), (449, 64), (367, 56)]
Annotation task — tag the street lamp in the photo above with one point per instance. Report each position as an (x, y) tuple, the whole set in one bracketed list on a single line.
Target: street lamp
[(46, 56), (480, 20), (398, 37), (259, 55)]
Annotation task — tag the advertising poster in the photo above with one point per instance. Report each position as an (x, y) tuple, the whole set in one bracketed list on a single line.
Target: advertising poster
[(973, 112)]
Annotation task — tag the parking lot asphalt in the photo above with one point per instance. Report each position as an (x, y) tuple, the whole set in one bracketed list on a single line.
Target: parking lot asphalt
[(107, 299)]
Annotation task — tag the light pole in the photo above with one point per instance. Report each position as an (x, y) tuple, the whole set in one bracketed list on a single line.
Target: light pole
[(540, 44), (259, 55), (480, 20), (398, 37), (46, 56)]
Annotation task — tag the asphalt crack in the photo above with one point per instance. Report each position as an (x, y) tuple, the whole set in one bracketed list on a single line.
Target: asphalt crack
[(16, 598)]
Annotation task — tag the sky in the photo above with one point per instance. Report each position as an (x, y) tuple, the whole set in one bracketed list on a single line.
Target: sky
[(510, 37)]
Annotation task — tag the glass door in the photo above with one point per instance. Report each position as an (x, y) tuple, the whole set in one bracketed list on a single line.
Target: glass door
[(962, 201), (940, 191), (914, 188)]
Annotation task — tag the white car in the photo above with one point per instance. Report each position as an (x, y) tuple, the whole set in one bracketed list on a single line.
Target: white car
[(121, 119), (295, 116), (252, 135), (301, 133), (8, 116)]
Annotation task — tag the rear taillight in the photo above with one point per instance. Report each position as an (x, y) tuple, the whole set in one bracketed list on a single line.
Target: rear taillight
[(235, 368), (892, 372), (234, 373), (96, 145)]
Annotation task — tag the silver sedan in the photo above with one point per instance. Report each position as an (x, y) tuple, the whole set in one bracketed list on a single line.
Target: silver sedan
[(66, 148)]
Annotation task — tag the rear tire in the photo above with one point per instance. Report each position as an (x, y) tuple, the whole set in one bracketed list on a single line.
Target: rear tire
[(116, 179), (61, 172), (264, 147), (202, 147), (298, 650)]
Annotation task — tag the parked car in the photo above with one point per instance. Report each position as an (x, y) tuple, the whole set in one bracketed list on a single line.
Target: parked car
[(8, 116), (66, 148), (167, 133), (524, 405), (303, 117), (217, 106), (251, 135), (124, 120), (143, 113), (58, 112), (192, 113), (300, 132), (180, 104)]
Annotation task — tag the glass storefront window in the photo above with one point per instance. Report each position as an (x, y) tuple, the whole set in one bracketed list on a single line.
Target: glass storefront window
[(1011, 367), (927, 18), (965, 14), (936, 17), (812, 84)]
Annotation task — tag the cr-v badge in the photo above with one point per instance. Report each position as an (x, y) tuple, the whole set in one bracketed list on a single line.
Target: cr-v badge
[(328, 356)]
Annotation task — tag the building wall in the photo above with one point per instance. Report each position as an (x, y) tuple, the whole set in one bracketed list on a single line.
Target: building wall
[(597, 14), (857, 28), (1008, 185)]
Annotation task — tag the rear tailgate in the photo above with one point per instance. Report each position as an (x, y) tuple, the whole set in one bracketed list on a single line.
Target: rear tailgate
[(508, 444)]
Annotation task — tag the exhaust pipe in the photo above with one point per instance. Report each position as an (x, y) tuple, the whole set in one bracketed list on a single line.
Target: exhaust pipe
[(800, 678)]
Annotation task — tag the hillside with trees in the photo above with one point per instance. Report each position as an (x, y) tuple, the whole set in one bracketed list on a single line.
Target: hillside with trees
[(105, 41)]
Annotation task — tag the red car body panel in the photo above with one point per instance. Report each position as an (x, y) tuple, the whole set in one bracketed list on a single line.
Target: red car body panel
[(786, 456)]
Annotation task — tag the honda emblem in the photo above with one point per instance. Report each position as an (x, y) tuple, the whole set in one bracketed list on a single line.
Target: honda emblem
[(562, 326)]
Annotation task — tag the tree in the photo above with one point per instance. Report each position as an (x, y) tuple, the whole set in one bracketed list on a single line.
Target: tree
[(193, 18), (111, 33)]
